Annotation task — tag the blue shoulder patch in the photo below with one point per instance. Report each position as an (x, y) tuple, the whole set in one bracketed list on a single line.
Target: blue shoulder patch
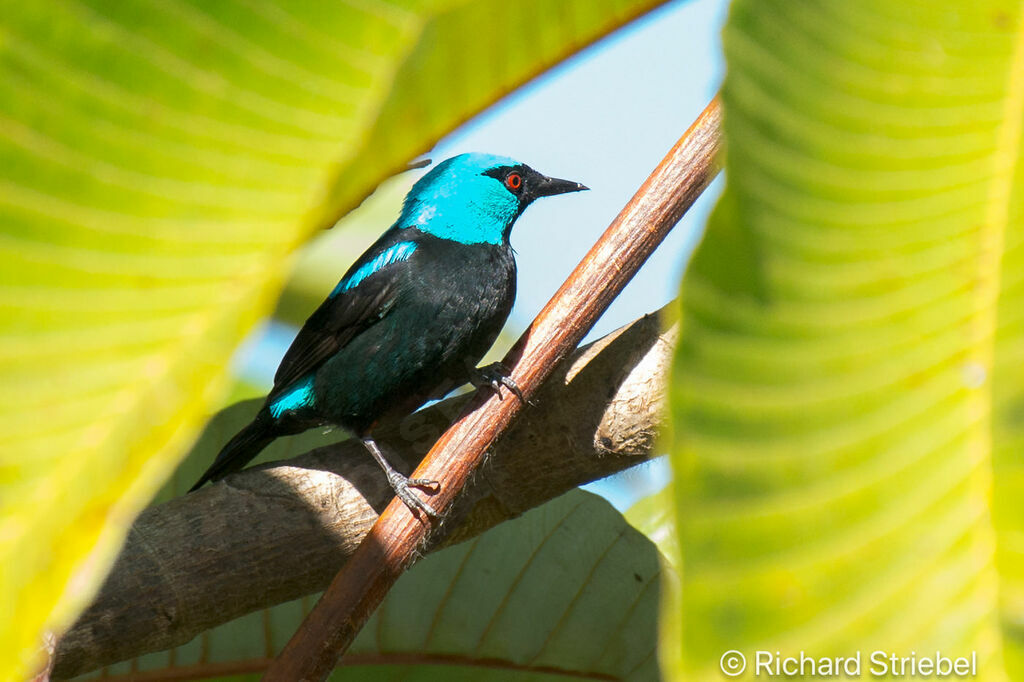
[(300, 395), (393, 254)]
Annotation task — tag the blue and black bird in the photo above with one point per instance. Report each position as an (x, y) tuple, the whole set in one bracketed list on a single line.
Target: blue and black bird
[(410, 319)]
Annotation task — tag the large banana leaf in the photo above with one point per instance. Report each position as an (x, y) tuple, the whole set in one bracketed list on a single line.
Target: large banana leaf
[(161, 160), (849, 385), (568, 590)]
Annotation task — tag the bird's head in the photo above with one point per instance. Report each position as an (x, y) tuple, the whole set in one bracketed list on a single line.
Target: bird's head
[(476, 198)]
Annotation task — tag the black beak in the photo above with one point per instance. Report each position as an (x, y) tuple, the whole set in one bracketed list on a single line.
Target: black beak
[(546, 187)]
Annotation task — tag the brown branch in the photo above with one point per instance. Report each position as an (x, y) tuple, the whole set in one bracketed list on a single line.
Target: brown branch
[(187, 564), (397, 536)]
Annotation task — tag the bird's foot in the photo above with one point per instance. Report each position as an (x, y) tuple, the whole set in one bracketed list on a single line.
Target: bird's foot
[(402, 487), (493, 377)]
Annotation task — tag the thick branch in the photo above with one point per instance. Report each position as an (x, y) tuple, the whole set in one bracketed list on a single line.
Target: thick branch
[(278, 532), (398, 537)]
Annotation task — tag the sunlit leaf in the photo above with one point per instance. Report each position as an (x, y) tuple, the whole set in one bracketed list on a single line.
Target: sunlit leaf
[(160, 161), (848, 389), (654, 516)]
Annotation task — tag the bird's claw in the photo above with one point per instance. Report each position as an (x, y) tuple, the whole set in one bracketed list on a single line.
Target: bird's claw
[(402, 487), (494, 376), (429, 483)]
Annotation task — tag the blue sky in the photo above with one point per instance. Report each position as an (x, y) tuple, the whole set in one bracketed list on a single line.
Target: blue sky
[(604, 118)]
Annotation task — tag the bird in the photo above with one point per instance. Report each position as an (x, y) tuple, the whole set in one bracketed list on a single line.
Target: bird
[(410, 319)]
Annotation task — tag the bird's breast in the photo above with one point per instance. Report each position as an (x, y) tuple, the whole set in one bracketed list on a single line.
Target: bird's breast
[(466, 290)]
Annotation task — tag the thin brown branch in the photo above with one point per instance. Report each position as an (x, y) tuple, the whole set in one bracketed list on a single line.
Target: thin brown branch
[(398, 537), (187, 564)]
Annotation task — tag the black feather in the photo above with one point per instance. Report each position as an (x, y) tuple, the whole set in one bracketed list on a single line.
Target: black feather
[(330, 327)]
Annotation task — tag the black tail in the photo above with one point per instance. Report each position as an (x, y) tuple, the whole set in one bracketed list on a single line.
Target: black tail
[(240, 450)]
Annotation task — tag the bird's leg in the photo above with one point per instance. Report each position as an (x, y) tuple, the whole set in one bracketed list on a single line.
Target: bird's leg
[(493, 377), (400, 484)]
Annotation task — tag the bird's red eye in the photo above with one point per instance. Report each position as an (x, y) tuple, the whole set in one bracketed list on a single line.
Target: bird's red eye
[(513, 181)]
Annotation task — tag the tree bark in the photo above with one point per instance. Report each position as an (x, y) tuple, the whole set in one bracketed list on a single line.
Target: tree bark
[(280, 531)]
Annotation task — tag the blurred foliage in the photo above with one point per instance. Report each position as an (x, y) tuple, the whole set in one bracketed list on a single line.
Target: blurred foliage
[(847, 398), (319, 265), (161, 161), (568, 589)]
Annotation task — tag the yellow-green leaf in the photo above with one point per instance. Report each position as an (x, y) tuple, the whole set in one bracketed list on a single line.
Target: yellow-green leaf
[(848, 389), (160, 161)]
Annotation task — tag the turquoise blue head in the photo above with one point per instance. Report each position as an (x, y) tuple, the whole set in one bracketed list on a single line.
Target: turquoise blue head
[(476, 198)]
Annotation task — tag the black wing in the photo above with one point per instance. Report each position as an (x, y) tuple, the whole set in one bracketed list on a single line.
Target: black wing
[(336, 322)]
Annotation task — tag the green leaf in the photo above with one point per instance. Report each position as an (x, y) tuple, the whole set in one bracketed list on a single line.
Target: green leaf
[(848, 392), (568, 589), (654, 516), (161, 161)]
